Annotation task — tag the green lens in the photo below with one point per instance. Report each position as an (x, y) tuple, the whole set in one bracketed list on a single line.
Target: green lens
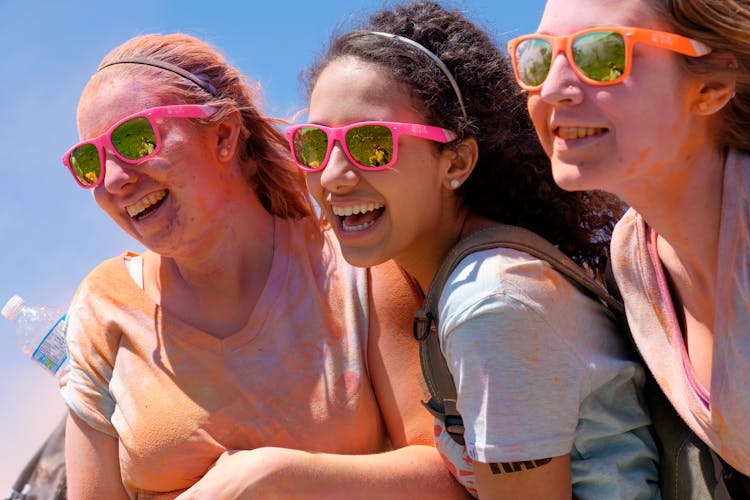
[(370, 145), (600, 55), (310, 146), (135, 138), (533, 58), (86, 164)]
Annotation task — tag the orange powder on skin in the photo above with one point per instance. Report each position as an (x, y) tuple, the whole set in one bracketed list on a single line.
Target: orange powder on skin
[(665, 175), (636, 165)]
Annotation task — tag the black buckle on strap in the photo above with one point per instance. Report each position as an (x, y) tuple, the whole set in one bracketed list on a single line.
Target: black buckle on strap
[(422, 324)]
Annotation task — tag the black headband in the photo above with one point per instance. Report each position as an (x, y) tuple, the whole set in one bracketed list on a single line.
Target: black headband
[(168, 67)]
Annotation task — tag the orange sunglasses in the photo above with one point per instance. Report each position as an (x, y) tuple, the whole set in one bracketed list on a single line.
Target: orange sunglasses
[(599, 56)]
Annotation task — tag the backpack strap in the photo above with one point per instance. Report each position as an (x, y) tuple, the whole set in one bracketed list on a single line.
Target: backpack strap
[(442, 403)]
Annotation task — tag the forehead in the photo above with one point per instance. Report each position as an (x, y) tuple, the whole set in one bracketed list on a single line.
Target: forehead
[(108, 98), (566, 16), (350, 89)]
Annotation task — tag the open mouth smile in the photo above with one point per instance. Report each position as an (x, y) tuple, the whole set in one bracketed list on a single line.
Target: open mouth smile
[(146, 205), (358, 217)]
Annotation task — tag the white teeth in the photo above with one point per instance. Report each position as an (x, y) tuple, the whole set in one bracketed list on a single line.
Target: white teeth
[(579, 132), (356, 209), (150, 199), (358, 227)]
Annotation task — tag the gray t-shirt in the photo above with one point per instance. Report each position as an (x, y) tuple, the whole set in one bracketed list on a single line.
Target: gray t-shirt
[(541, 370)]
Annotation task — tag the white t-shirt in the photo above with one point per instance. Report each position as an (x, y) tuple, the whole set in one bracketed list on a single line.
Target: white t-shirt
[(541, 370)]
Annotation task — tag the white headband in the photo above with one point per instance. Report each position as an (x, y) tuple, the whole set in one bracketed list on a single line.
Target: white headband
[(435, 58)]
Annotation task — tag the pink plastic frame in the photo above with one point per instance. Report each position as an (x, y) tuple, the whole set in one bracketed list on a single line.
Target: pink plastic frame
[(105, 139), (397, 129)]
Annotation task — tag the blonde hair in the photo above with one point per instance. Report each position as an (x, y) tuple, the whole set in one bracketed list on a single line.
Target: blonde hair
[(279, 184), (723, 25)]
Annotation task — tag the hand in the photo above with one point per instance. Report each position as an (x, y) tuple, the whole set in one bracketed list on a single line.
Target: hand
[(248, 474)]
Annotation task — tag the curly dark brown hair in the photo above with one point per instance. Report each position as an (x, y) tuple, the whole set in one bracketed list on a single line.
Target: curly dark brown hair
[(512, 181)]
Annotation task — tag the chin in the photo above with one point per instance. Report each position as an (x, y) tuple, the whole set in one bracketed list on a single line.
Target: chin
[(571, 178), (361, 257)]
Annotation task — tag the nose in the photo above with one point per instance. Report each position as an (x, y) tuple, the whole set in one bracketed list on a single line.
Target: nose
[(118, 174), (339, 175), (562, 85)]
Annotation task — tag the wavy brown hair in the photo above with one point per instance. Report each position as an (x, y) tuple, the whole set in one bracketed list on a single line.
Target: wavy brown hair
[(723, 25), (279, 184), (512, 181)]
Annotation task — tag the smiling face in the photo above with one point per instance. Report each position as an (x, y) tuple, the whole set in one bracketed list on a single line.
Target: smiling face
[(392, 213), (623, 138), (161, 202)]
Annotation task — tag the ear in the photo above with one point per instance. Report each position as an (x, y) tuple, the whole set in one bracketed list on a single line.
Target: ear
[(227, 135), (460, 161), (716, 88)]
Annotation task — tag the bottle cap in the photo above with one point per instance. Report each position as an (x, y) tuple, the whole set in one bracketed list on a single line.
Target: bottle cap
[(13, 307)]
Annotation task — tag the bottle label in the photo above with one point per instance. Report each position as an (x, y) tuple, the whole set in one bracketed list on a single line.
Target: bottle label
[(52, 351)]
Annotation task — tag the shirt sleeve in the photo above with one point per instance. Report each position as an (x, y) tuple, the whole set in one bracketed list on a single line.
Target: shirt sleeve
[(92, 345), (519, 384)]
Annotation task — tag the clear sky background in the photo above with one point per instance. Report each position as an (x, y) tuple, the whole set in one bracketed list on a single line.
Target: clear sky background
[(52, 233)]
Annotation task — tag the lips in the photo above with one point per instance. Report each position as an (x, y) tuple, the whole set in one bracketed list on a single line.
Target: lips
[(147, 204), (358, 217)]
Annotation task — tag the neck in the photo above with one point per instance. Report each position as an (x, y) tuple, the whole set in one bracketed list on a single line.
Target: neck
[(423, 262), (685, 211), (226, 264), (216, 286)]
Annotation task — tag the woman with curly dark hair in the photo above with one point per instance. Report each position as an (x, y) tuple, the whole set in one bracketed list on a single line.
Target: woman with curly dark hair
[(417, 138)]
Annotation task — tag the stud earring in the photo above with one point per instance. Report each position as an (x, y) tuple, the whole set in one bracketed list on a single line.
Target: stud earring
[(454, 183), (702, 106), (224, 152)]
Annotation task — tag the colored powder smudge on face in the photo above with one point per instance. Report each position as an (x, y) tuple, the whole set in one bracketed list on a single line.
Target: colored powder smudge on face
[(636, 165)]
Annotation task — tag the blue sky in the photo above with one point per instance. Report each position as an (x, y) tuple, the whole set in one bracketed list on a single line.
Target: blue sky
[(52, 233)]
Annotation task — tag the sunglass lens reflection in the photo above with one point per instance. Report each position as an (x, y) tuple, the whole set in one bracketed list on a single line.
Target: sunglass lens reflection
[(135, 138), (310, 146), (86, 164), (370, 145), (534, 58), (600, 55)]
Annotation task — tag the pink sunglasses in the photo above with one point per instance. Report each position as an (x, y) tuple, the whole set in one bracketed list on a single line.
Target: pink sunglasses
[(133, 139), (369, 145)]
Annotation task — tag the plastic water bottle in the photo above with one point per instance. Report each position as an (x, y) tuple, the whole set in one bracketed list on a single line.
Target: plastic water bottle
[(40, 331)]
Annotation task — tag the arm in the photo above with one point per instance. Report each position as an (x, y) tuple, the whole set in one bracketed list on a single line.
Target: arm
[(532, 479), (92, 463), (396, 374), (518, 384), (393, 357), (509, 402)]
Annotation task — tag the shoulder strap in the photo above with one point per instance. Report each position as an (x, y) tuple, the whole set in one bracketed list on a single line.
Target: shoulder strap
[(438, 377)]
